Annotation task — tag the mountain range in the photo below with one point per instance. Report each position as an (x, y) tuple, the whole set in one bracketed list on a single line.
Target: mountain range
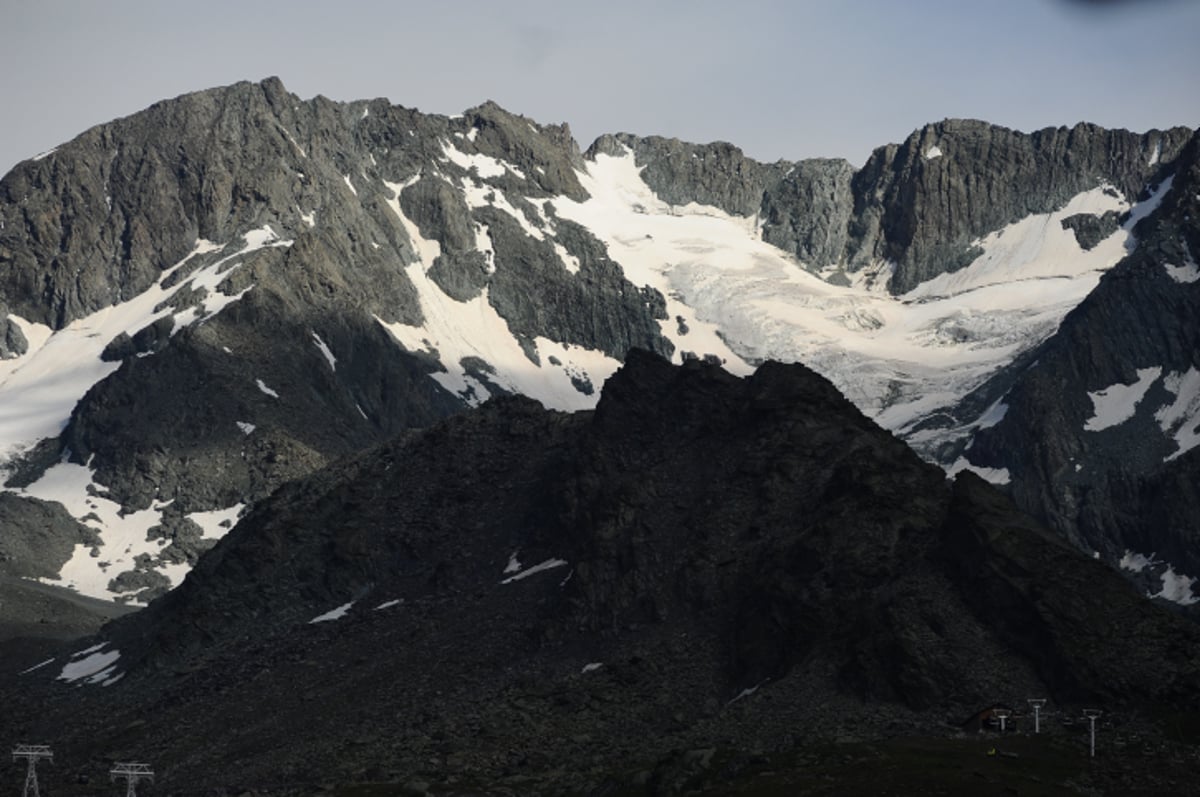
[(422, 367)]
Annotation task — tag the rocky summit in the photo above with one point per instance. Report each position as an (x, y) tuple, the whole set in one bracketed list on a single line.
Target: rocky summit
[(705, 578)]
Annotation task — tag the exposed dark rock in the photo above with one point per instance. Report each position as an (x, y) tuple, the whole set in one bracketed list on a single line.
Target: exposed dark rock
[(12, 339), (922, 213), (1091, 229), (918, 205), (547, 155), (741, 557), (808, 211), (596, 307), (37, 537), (711, 174), (149, 339), (1120, 487), (38, 618)]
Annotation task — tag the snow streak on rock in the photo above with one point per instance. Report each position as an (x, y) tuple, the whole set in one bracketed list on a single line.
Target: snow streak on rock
[(1116, 404)]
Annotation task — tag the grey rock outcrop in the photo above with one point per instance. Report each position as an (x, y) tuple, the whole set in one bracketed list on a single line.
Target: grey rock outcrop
[(1091, 229), (808, 212), (211, 410), (919, 205), (107, 215), (37, 537), (923, 213), (1115, 484), (12, 340), (717, 174)]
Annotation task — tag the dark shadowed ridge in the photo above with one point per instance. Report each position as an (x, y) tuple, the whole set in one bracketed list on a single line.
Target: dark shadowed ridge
[(738, 556)]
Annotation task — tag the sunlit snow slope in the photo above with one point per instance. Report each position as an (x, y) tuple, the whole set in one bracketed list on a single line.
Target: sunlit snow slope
[(898, 358)]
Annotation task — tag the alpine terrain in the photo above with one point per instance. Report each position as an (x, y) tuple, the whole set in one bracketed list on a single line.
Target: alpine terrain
[(607, 454)]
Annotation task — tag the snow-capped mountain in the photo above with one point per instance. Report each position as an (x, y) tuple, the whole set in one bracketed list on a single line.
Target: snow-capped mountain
[(232, 288)]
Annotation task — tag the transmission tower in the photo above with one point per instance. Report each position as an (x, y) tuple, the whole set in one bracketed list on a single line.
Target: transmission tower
[(1037, 703), (132, 772), (32, 753), (1090, 714)]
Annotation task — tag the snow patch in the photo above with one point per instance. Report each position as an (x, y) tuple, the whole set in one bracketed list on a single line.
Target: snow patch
[(746, 693), (95, 667), (216, 523), (592, 667), (1176, 588), (933, 152), (329, 358), (1117, 403), (1181, 418), (39, 389), (1186, 274), (123, 534), (263, 387), (992, 415), (549, 564), (309, 218), (36, 667), (483, 243), (569, 261), (349, 184), (455, 331), (332, 614), (295, 143), (514, 564), (1136, 562), (484, 165), (246, 428), (478, 195), (389, 604)]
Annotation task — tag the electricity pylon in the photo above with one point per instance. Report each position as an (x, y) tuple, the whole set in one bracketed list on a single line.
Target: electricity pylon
[(32, 753), (1037, 703), (1090, 715), (132, 772)]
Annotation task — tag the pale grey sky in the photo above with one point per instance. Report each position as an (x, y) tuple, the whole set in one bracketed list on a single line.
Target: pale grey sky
[(805, 78)]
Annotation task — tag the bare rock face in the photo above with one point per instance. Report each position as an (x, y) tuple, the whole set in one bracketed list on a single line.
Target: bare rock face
[(100, 220), (367, 204), (38, 537), (919, 205), (1091, 229), (809, 211), (1114, 481)]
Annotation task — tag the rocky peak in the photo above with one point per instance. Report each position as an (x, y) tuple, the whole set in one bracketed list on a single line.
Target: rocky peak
[(921, 205)]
